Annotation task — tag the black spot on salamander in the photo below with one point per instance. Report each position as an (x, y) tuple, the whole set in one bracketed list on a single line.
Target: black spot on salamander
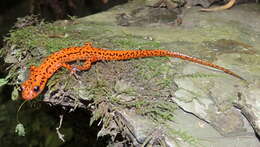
[(58, 58), (43, 77), (112, 54), (41, 83), (69, 54)]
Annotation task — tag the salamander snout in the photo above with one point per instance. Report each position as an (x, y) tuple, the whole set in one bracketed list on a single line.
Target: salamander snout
[(30, 92)]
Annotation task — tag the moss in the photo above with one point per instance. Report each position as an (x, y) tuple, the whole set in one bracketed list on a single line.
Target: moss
[(185, 137), (129, 41), (31, 43), (197, 75)]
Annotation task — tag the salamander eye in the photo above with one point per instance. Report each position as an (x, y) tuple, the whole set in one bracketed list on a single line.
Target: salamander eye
[(36, 88), (22, 87)]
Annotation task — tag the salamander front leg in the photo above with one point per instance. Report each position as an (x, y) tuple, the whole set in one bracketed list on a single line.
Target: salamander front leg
[(74, 69), (85, 66)]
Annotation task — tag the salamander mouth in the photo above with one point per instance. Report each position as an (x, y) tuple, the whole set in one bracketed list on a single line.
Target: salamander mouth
[(28, 95)]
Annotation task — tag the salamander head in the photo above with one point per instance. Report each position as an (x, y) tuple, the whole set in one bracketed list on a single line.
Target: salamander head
[(32, 87)]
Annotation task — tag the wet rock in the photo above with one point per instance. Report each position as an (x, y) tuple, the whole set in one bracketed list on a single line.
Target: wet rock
[(249, 104), (148, 16), (203, 3), (204, 97)]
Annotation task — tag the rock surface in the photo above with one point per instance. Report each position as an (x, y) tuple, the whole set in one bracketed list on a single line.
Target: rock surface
[(137, 97)]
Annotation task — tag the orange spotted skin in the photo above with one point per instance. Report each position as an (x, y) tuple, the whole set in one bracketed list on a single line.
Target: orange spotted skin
[(39, 76)]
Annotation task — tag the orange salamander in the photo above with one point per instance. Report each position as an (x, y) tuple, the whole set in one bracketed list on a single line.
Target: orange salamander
[(39, 76)]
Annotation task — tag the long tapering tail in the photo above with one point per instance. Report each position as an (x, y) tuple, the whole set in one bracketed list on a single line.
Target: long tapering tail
[(129, 54)]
